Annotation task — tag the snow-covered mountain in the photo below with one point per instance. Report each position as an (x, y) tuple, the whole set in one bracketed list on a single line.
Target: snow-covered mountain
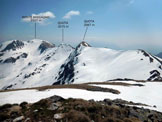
[(38, 63), (30, 63), (89, 64)]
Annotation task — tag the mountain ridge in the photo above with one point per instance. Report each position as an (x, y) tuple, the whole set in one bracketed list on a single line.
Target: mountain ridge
[(38, 63)]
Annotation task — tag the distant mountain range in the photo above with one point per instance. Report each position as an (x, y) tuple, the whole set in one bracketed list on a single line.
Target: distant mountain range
[(159, 55), (37, 63)]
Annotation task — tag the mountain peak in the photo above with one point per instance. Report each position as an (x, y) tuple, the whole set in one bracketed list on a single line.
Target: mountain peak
[(85, 44), (82, 45), (45, 45), (63, 45)]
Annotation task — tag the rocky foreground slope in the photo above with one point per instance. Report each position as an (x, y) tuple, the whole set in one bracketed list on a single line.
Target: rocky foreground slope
[(58, 109), (34, 63)]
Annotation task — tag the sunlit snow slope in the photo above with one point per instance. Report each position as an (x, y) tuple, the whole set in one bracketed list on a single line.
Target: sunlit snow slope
[(89, 64)]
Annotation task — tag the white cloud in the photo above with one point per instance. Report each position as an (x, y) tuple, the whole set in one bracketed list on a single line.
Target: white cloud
[(41, 17), (89, 12), (70, 14)]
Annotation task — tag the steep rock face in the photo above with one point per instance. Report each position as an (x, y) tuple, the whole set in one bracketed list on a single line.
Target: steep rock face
[(66, 72), (45, 45), (13, 45)]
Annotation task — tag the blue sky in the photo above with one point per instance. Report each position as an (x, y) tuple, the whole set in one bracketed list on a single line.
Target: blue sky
[(119, 24)]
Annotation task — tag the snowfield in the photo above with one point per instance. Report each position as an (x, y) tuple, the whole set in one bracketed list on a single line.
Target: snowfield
[(34, 95), (149, 94)]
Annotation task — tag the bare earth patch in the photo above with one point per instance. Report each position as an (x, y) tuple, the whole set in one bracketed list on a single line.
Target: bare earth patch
[(73, 86)]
